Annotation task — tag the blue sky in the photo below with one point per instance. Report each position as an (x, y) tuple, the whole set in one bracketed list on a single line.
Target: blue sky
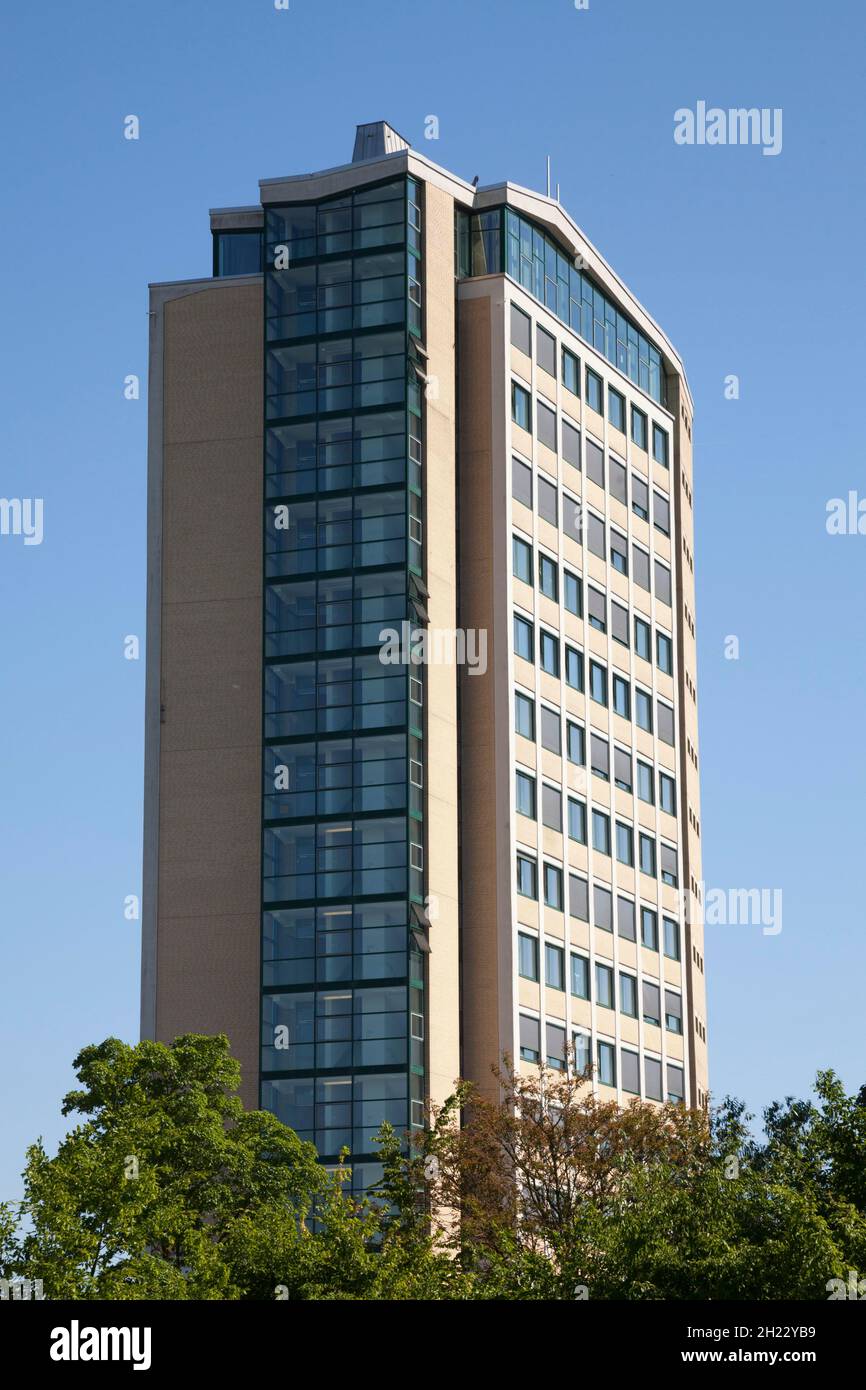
[(753, 265)]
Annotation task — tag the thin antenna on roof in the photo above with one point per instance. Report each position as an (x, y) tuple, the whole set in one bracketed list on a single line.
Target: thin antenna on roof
[(548, 176), (557, 192)]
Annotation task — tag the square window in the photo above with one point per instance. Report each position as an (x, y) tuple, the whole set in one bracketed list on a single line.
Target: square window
[(642, 639), (521, 560), (521, 331), (594, 391), (649, 929), (645, 783), (525, 794), (527, 876), (553, 887), (598, 683), (548, 577), (647, 855), (667, 794), (664, 653), (604, 987), (573, 668), (628, 995), (621, 697), (554, 966), (572, 594), (643, 709), (570, 372), (579, 976), (615, 409), (601, 832), (550, 730), (576, 821), (660, 446), (521, 483), (527, 956), (606, 1064), (638, 427), (672, 938), (549, 652), (545, 420), (639, 497), (545, 350), (625, 844), (416, 855), (523, 638), (551, 808), (547, 501), (521, 407), (524, 716), (575, 744)]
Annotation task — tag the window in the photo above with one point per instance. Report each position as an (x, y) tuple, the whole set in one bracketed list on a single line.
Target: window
[(551, 807), (622, 768), (572, 594), (600, 757), (651, 1004), (546, 500), (554, 966), (521, 483), (640, 567), (521, 331), (545, 425), (647, 855), (618, 622), (673, 1012), (530, 1039), (602, 907), (665, 722), (527, 956), (621, 697), (549, 652), (670, 872), (671, 938), (573, 668), (594, 391), (548, 577), (575, 744), (649, 929), (660, 446), (598, 683), (576, 821), (578, 898), (527, 876), (572, 519), (550, 730), (615, 409), (523, 642), (664, 653), (582, 1053), (521, 560), (555, 1047), (618, 551), (606, 1064), (545, 350), (639, 497), (629, 1071), (663, 583), (597, 605), (661, 513), (625, 923), (524, 716), (652, 1072), (643, 709), (601, 832), (570, 443), (570, 372), (625, 844), (553, 887), (595, 462), (579, 976), (645, 783), (667, 794), (525, 794), (521, 407), (604, 986), (643, 639), (638, 427), (676, 1082), (595, 535), (618, 481)]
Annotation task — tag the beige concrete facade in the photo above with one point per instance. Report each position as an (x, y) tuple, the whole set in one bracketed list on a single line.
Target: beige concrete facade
[(202, 877)]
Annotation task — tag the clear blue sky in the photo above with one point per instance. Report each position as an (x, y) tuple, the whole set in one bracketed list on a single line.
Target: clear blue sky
[(753, 265)]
